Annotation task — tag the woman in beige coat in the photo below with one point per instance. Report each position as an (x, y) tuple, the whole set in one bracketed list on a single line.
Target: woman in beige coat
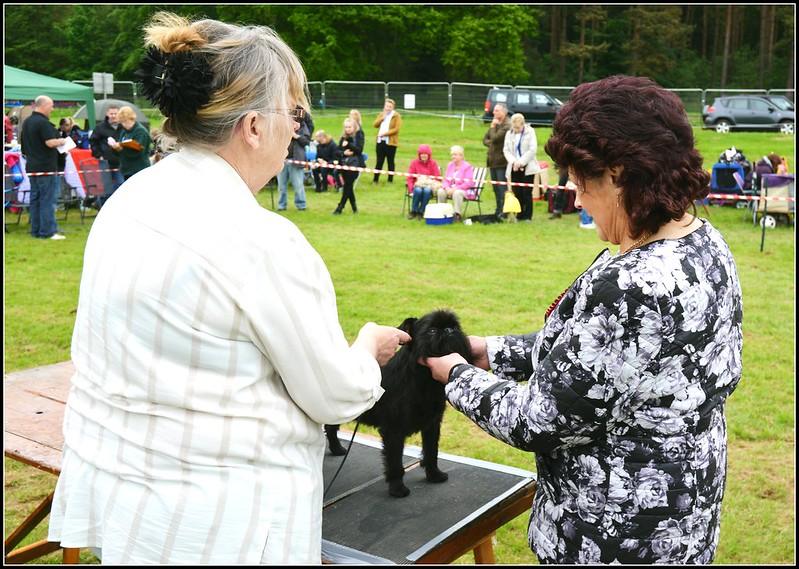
[(520, 148)]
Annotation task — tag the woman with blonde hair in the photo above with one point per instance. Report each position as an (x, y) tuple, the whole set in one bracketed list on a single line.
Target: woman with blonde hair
[(458, 183), (355, 115), (360, 137), (520, 148), (326, 154), (133, 144), (207, 347), (350, 154)]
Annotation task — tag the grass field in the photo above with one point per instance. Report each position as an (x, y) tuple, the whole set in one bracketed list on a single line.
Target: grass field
[(499, 279)]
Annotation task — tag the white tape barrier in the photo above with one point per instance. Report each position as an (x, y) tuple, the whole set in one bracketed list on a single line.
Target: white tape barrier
[(32, 174), (520, 184)]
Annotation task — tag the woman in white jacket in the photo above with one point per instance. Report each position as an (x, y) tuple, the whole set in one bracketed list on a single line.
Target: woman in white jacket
[(207, 346), (520, 148)]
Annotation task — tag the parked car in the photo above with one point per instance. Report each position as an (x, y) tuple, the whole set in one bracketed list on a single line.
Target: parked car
[(751, 112), (783, 103), (537, 107)]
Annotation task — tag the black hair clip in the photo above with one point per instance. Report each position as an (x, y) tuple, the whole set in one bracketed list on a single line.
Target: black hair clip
[(177, 83)]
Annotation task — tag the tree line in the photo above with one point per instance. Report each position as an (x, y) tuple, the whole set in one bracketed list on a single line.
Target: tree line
[(707, 46)]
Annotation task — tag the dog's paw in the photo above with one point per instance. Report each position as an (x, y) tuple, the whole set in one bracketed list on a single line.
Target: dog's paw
[(337, 449), (398, 490), (436, 476)]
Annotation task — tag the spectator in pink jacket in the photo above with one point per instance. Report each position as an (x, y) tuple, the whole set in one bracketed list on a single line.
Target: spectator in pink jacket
[(420, 182), (458, 181)]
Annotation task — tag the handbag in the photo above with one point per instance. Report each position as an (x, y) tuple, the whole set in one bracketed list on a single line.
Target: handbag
[(512, 204), (352, 161)]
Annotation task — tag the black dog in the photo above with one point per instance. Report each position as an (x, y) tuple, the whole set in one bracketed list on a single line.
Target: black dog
[(413, 401)]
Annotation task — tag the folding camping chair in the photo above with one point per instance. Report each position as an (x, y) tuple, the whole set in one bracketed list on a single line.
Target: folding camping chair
[(13, 198), (478, 180), (96, 182), (780, 187)]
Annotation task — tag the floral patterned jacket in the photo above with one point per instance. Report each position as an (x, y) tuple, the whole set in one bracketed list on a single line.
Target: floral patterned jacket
[(623, 404)]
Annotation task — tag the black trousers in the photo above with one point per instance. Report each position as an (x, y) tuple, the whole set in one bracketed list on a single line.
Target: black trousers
[(320, 177), (498, 175), (523, 193), (348, 190), (384, 151), (560, 200)]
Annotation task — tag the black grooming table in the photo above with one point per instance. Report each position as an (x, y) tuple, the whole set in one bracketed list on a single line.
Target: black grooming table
[(436, 523)]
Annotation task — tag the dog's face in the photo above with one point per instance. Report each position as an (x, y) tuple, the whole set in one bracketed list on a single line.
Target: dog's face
[(436, 334)]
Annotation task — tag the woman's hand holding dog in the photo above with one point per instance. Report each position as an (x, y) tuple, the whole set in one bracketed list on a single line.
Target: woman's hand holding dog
[(381, 341), (440, 367)]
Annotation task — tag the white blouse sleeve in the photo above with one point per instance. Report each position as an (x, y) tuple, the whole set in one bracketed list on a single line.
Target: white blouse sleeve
[(507, 148), (294, 322)]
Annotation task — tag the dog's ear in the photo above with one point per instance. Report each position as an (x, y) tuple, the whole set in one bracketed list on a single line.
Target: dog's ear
[(408, 325)]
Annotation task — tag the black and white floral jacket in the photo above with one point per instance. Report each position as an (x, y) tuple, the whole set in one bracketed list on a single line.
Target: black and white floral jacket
[(621, 396)]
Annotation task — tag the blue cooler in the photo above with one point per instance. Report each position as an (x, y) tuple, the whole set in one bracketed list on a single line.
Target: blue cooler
[(439, 214)]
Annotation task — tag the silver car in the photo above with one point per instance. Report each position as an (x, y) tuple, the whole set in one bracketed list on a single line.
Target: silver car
[(751, 112)]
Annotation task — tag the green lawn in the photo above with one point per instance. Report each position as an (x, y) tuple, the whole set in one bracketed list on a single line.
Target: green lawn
[(499, 279)]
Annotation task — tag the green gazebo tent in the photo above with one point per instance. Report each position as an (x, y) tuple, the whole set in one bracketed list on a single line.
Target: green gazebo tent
[(22, 85)]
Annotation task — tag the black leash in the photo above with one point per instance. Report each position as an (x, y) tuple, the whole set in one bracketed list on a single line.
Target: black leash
[(343, 460)]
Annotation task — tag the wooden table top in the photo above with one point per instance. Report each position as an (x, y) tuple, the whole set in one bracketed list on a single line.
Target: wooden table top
[(361, 522)]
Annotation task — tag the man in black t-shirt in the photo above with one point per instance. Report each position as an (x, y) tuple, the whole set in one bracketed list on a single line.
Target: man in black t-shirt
[(39, 142)]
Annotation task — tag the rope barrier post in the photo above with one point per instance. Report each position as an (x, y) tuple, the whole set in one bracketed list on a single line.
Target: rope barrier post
[(463, 120)]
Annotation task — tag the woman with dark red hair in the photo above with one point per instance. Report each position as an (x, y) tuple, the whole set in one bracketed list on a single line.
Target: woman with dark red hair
[(621, 395)]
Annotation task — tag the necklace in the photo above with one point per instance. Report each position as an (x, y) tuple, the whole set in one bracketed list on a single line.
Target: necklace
[(638, 242)]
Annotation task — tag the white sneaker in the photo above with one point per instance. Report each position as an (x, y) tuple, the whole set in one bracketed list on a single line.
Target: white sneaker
[(588, 225), (57, 237)]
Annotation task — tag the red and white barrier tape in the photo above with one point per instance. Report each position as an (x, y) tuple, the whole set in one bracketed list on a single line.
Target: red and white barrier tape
[(519, 184), (33, 174)]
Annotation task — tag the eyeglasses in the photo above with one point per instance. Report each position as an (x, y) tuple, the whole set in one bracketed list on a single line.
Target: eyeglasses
[(297, 113)]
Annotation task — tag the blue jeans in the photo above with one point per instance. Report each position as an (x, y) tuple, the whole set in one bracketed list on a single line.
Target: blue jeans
[(111, 180), (297, 174), (420, 198), (44, 192), (585, 219)]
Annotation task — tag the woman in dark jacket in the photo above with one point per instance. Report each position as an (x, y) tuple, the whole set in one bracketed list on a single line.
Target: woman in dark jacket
[(625, 386), (133, 144), (350, 154), (326, 154)]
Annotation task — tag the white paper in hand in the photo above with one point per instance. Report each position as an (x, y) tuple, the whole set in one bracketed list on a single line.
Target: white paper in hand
[(112, 141), (67, 146)]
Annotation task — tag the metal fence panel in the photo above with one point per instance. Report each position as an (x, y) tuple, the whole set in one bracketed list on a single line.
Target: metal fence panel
[(788, 93), (693, 101), (317, 92), (358, 94), (470, 98), (711, 94), (429, 96)]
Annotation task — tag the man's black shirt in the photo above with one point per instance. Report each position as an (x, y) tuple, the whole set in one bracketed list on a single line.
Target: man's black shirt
[(39, 157)]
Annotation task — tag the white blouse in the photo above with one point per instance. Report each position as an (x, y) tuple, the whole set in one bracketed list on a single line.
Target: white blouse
[(208, 354), (524, 152)]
